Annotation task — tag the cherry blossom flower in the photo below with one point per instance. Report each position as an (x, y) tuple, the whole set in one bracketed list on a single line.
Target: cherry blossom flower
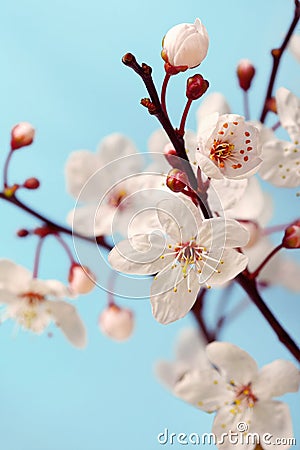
[(185, 45), (190, 254), (110, 187), (116, 323), (228, 147), (281, 159), (189, 354), (239, 392), (34, 303)]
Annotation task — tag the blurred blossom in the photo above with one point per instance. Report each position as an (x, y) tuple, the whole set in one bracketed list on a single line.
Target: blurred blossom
[(116, 323)]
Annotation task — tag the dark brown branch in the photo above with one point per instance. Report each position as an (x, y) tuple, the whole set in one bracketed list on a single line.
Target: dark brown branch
[(277, 54), (197, 311), (250, 287), (145, 72), (100, 240)]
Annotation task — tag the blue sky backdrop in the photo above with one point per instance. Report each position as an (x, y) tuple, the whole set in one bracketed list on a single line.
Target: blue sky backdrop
[(61, 71)]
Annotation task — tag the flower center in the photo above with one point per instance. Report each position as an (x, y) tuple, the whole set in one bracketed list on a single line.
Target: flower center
[(220, 151), (116, 198), (33, 298), (190, 256), (244, 398)]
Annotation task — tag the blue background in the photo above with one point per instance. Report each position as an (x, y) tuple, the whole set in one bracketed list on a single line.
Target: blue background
[(61, 71)]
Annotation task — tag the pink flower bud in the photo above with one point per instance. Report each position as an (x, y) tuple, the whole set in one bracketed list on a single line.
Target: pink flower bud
[(245, 72), (185, 45), (177, 180), (116, 323), (196, 86), (22, 134), (31, 183), (81, 279), (291, 237)]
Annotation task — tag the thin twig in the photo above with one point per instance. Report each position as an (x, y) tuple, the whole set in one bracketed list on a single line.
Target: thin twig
[(265, 261), (250, 287), (277, 54)]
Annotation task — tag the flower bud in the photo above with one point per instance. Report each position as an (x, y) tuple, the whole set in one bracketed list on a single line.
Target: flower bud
[(116, 323), (22, 233), (291, 237), (31, 183), (22, 134), (81, 279), (196, 86), (177, 180), (185, 45), (271, 105), (245, 72)]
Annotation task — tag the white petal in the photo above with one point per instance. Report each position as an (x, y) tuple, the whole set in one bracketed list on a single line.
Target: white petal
[(219, 233), (227, 420), (140, 255), (169, 305), (68, 320), (236, 364), (116, 146), (281, 163), (273, 418), (92, 220), (294, 46), (234, 263), (179, 218), (13, 277), (276, 379), (205, 389), (52, 288), (207, 126), (288, 107), (226, 193), (212, 103), (7, 297), (81, 167)]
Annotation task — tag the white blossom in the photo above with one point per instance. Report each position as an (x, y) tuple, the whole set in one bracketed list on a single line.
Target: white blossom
[(238, 392), (189, 254), (35, 303), (228, 147), (281, 159)]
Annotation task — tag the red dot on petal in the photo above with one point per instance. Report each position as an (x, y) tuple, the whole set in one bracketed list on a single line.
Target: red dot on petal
[(225, 125), (247, 133), (221, 132), (246, 158), (235, 123), (242, 152), (249, 149), (247, 141)]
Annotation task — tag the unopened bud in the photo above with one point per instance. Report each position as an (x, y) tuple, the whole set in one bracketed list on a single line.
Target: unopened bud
[(245, 72), (116, 323), (31, 183), (185, 45), (271, 105), (22, 233), (291, 237), (177, 180), (22, 134), (81, 279), (196, 86)]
